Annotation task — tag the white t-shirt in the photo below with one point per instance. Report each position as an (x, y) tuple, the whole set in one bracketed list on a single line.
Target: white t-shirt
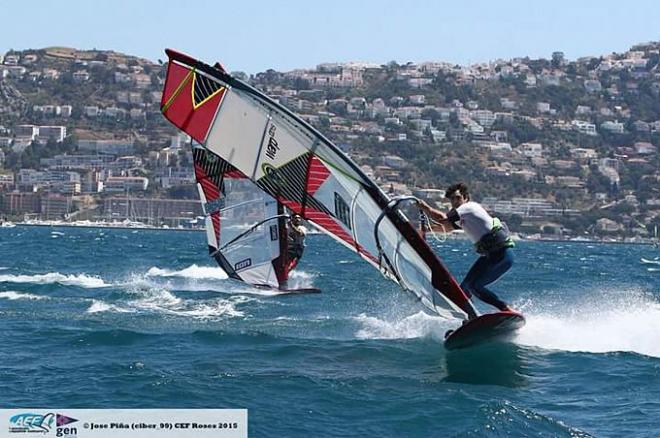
[(473, 219), (298, 238)]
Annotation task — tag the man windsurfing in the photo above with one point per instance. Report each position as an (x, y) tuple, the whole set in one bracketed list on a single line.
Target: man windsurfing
[(296, 235), (488, 234)]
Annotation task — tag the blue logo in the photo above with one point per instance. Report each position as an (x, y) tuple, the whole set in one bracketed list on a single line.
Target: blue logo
[(29, 422)]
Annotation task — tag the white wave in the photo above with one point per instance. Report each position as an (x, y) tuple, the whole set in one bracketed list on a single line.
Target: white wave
[(630, 322), (286, 318), (193, 272), (11, 295), (209, 311), (81, 280), (160, 301), (101, 306), (650, 262), (653, 269), (172, 305), (419, 325), (301, 280), (156, 299), (204, 278)]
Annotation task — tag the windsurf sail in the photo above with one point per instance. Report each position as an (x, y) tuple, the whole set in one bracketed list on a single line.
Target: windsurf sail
[(245, 227), (261, 142)]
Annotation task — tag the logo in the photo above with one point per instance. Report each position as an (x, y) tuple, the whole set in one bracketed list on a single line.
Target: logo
[(272, 147), (63, 420), (42, 423), (272, 173), (214, 205), (30, 422), (243, 264)]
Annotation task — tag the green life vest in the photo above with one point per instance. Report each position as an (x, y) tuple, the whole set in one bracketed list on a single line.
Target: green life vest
[(498, 238)]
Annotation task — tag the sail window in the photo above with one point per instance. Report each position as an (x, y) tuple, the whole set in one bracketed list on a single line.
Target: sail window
[(204, 89), (342, 210), (274, 235)]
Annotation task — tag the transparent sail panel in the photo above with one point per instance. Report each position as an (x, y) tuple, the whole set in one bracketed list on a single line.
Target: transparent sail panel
[(250, 250)]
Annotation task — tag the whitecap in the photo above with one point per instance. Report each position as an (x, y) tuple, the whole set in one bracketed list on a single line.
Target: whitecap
[(99, 306), (193, 272), (81, 280), (650, 262), (301, 280), (11, 295), (418, 325), (614, 321)]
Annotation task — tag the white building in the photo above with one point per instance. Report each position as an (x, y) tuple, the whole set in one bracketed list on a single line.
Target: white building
[(584, 127), (417, 99), (91, 111), (83, 162), (125, 184), (583, 153), (81, 76), (644, 148), (532, 208), (543, 107), (6, 179), (615, 127), (66, 110), (582, 110), (112, 147), (485, 118), (508, 103), (56, 133), (26, 131), (531, 150), (176, 177), (394, 161)]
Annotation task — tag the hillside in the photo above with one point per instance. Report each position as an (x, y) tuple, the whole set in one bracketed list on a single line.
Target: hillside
[(551, 144)]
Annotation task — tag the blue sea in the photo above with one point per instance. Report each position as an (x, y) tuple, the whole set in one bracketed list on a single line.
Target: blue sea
[(107, 318)]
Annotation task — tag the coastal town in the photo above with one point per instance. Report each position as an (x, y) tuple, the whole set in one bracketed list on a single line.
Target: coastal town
[(557, 148)]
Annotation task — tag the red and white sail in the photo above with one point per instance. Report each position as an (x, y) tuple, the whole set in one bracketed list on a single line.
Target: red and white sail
[(298, 167)]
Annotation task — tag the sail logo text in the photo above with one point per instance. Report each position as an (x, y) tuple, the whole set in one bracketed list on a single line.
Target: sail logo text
[(272, 147), (243, 264)]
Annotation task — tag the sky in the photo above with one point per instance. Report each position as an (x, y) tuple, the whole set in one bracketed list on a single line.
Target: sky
[(253, 36)]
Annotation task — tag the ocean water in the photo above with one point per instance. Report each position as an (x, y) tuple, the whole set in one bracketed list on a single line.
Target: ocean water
[(101, 318)]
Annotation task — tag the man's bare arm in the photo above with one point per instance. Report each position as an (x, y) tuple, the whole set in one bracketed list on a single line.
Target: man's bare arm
[(433, 213)]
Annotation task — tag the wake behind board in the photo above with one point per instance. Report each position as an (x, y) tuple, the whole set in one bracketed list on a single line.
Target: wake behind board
[(484, 328), (304, 290)]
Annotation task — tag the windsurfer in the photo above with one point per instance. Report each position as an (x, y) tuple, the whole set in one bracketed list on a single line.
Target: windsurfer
[(296, 235), (489, 235)]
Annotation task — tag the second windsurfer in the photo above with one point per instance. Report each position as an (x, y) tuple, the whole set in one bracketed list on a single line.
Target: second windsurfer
[(296, 235)]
